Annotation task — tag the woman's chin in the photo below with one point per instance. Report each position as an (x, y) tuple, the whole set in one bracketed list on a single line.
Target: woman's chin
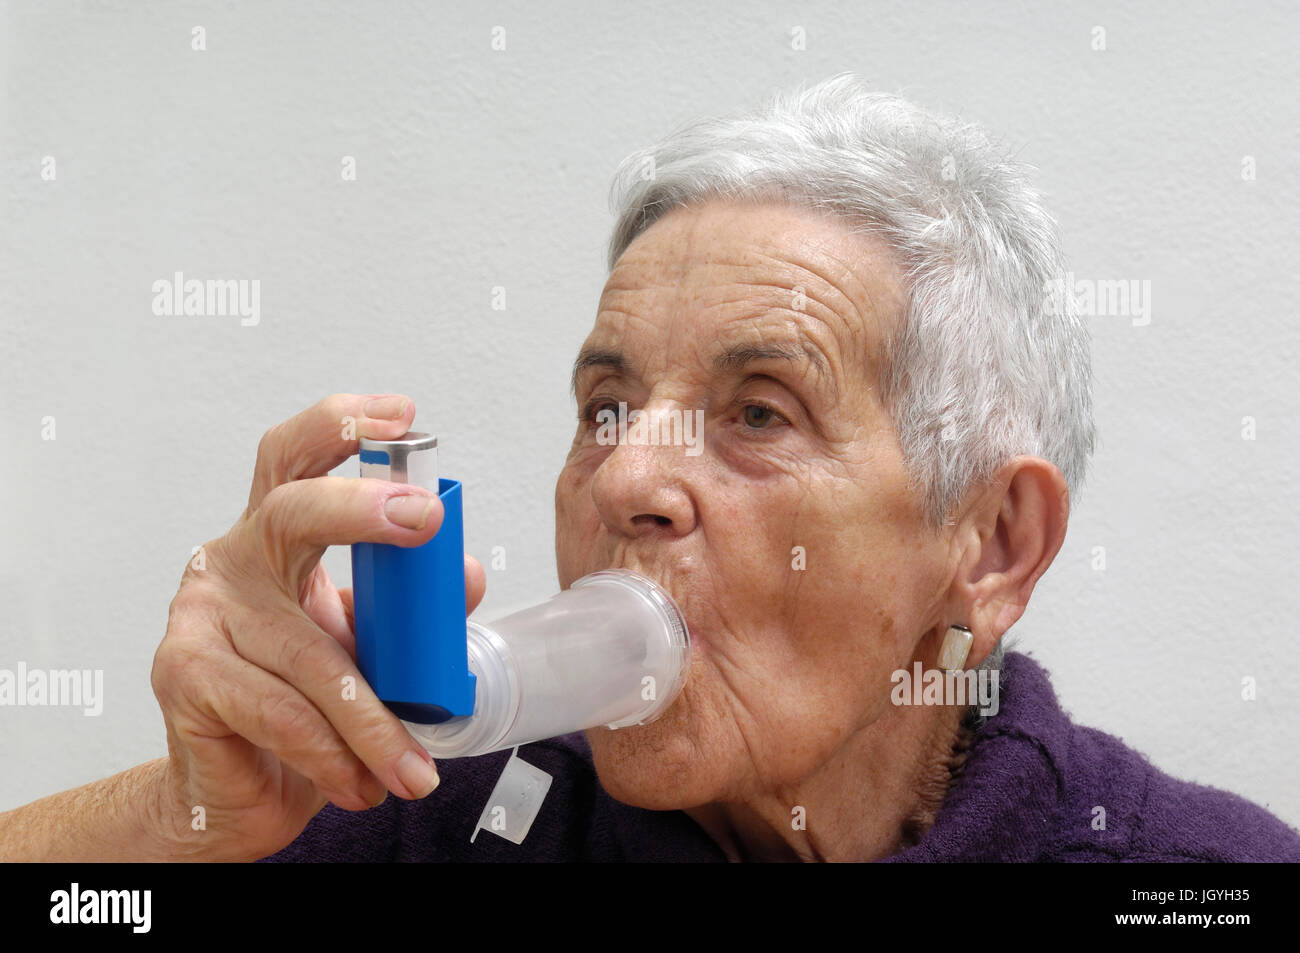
[(656, 766)]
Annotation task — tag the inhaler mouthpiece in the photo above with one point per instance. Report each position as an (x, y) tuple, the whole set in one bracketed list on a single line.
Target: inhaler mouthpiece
[(612, 650)]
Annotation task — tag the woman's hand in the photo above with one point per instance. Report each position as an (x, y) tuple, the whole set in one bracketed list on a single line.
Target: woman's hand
[(267, 715)]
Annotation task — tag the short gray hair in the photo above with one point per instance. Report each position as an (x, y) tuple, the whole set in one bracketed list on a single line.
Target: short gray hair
[(982, 367)]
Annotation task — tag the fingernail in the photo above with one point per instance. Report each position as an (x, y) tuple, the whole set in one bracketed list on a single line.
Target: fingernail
[(385, 408), (409, 511), (416, 774)]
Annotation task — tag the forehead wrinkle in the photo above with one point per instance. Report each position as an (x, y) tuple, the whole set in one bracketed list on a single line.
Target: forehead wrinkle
[(826, 368), (606, 350), (734, 356), (782, 262), (870, 257), (865, 328), (751, 312), (841, 303)]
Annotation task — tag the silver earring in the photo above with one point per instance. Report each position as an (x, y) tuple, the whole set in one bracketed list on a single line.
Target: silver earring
[(955, 648)]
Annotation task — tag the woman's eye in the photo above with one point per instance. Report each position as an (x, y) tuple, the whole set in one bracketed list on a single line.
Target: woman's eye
[(598, 412), (759, 416)]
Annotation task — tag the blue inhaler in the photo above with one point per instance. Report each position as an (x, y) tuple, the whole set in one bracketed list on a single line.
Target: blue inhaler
[(409, 603)]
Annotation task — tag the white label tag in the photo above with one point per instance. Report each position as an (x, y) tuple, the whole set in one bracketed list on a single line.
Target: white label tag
[(515, 800)]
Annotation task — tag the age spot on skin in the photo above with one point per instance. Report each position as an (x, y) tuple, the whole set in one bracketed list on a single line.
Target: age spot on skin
[(886, 624)]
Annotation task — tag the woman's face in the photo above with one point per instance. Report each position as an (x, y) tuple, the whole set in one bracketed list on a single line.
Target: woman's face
[(788, 536)]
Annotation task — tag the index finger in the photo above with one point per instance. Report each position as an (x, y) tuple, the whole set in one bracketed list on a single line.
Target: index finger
[(314, 442)]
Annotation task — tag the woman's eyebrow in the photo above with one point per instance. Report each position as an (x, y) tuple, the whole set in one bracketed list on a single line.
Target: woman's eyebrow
[(739, 356), (598, 357), (732, 359)]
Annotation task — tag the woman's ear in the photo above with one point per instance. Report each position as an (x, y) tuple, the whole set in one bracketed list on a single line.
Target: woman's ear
[(1012, 531)]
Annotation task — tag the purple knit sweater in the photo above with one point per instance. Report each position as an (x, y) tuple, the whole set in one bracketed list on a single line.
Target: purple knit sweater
[(1027, 793)]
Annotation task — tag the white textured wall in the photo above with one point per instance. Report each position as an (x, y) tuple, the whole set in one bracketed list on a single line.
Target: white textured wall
[(481, 168)]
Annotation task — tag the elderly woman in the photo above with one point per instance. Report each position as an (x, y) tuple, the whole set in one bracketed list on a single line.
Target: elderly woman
[(856, 295)]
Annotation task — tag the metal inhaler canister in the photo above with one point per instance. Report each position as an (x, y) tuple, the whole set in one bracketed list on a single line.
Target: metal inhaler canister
[(409, 602)]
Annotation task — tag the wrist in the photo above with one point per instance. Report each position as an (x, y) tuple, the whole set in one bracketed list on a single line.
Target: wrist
[(127, 817), (168, 820)]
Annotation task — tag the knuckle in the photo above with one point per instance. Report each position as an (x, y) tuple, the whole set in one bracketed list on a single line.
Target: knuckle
[(274, 464), (283, 555), (195, 592), (385, 738), (353, 776), (183, 659), (309, 659), (264, 467), (359, 501), (158, 680), (300, 734), (290, 720), (268, 447), (189, 659), (274, 522), (337, 406), (274, 504)]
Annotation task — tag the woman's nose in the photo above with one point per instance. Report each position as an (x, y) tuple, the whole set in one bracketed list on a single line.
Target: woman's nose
[(638, 488)]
